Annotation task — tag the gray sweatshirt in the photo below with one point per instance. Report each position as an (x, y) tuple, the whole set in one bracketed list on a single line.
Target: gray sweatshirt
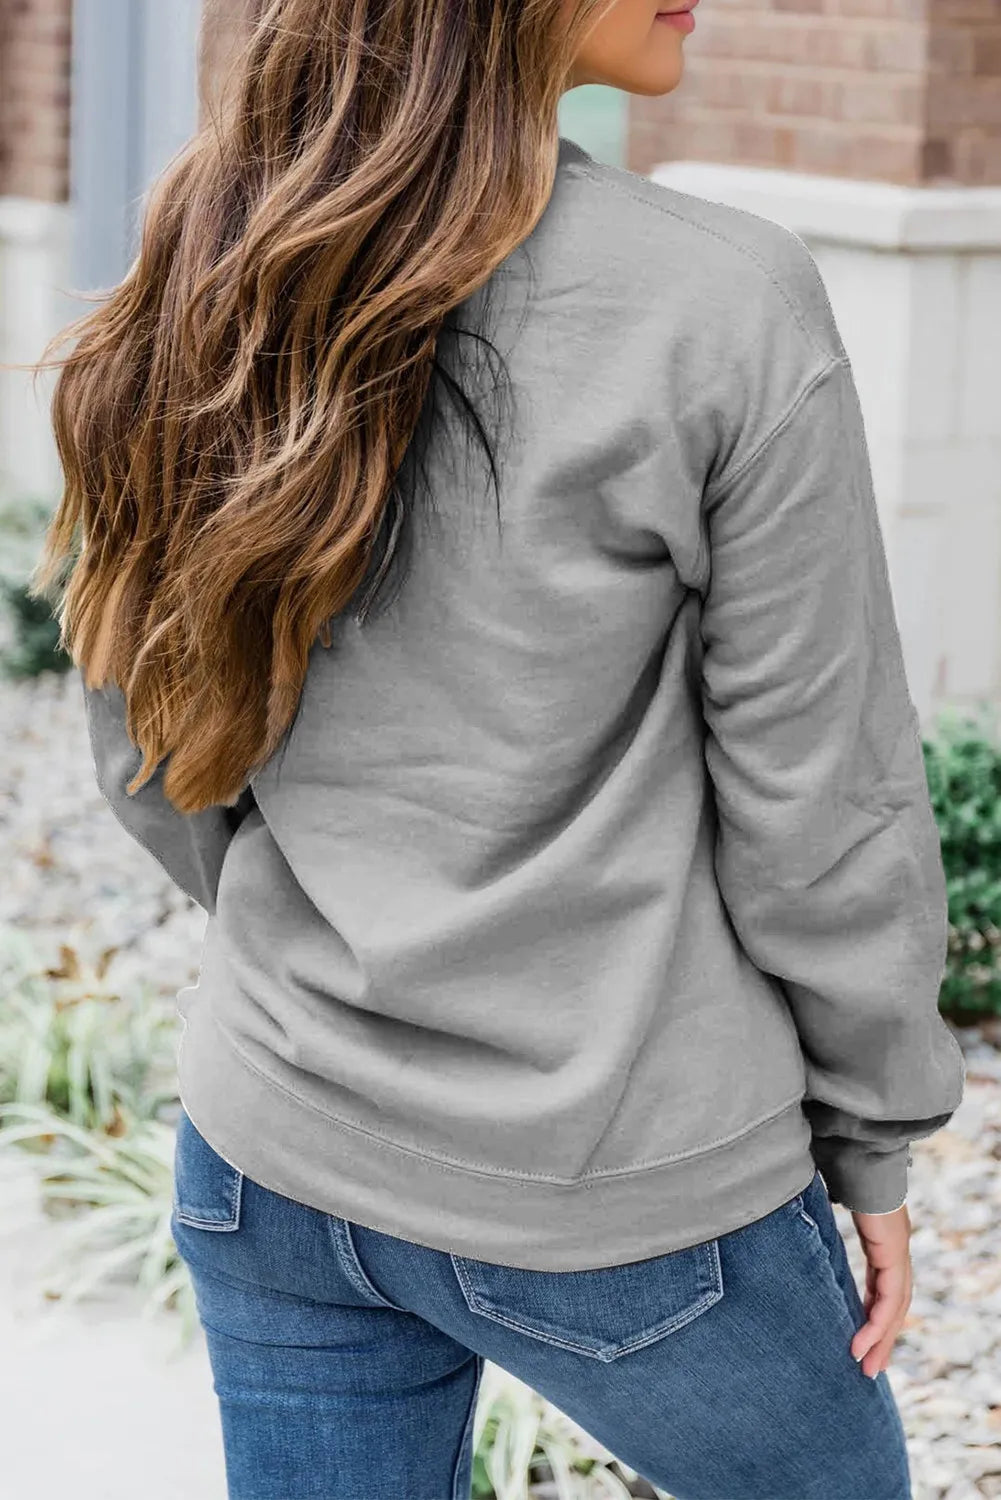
[(594, 897)]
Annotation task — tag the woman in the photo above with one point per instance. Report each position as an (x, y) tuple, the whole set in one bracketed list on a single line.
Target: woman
[(483, 614)]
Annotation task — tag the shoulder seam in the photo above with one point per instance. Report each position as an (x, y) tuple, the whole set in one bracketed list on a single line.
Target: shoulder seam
[(713, 491), (586, 169)]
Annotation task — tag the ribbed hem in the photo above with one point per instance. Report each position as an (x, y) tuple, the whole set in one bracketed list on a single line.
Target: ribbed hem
[(287, 1145), (860, 1178)]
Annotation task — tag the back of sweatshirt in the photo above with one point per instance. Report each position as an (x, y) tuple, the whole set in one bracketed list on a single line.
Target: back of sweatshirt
[(594, 896)]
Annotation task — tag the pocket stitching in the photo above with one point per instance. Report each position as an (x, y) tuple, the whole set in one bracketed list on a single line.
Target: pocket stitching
[(842, 1295), (233, 1189), (606, 1353), (347, 1255)]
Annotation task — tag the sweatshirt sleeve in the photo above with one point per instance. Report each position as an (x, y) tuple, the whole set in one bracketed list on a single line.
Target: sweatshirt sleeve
[(827, 852), (189, 846)]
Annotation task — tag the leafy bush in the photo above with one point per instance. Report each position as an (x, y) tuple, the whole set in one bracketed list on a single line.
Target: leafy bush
[(69, 1042), (88, 1089), (30, 631), (112, 1192), (525, 1446), (963, 765), (34, 647)]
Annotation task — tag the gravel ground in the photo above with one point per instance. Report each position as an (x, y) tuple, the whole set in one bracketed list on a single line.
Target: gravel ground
[(73, 875)]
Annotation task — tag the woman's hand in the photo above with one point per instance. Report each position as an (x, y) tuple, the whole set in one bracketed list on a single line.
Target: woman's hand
[(888, 1283)]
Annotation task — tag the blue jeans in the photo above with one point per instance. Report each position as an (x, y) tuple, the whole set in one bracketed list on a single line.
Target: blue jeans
[(347, 1362)]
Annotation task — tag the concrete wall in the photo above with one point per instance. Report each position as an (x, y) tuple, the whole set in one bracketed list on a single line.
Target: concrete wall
[(914, 277), (35, 67), (95, 97)]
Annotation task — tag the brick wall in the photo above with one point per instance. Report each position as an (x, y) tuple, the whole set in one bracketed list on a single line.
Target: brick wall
[(964, 104), (905, 91), (35, 64), (35, 98)]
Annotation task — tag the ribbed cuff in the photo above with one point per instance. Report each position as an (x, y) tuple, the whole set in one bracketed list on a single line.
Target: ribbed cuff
[(864, 1180)]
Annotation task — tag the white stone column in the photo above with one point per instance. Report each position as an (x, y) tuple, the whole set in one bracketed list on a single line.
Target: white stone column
[(914, 278), (34, 258)]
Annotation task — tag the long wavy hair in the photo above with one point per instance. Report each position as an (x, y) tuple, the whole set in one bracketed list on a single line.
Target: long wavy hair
[(233, 417)]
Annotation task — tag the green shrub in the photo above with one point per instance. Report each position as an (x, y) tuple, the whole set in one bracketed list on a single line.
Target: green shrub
[(31, 632), (71, 1043), (523, 1445), (110, 1193), (88, 1092), (34, 647), (963, 765)]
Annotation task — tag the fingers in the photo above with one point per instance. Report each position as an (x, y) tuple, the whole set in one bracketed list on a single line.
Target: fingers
[(874, 1341), (888, 1286)]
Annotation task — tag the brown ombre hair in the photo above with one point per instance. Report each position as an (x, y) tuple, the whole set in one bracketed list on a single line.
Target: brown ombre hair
[(233, 416)]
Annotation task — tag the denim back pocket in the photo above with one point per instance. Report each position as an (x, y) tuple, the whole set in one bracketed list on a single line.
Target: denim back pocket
[(207, 1190), (601, 1313)]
